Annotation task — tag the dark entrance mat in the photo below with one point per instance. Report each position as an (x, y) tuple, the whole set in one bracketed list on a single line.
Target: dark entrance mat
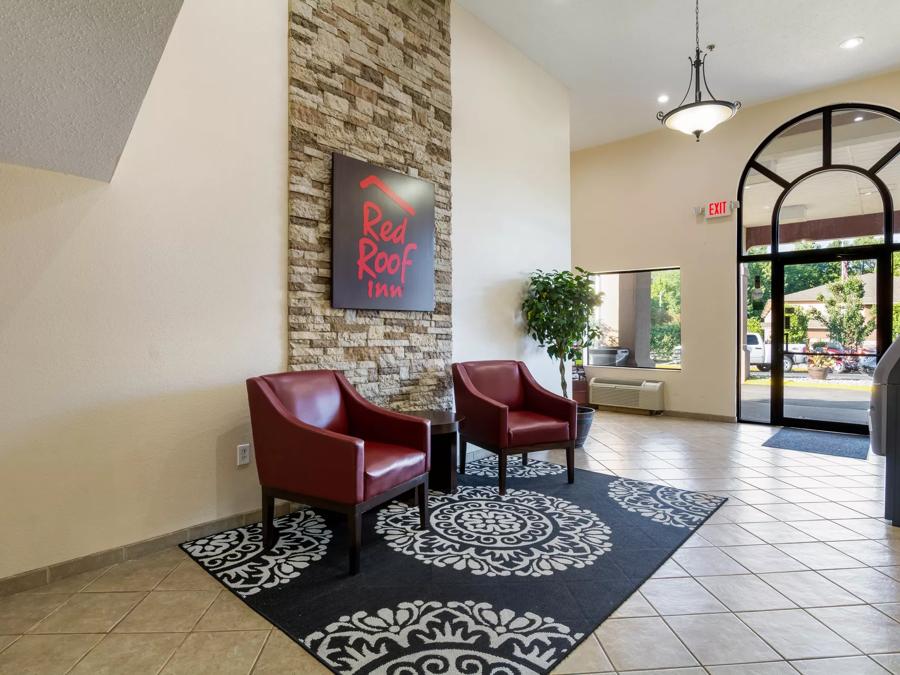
[(497, 585), (821, 442)]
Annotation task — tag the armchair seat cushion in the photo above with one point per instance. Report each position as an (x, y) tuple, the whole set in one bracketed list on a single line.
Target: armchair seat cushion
[(387, 466), (531, 428)]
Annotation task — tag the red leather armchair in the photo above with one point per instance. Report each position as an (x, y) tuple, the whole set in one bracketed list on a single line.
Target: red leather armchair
[(508, 413), (318, 442)]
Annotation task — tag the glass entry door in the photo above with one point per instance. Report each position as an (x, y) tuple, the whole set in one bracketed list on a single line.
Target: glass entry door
[(818, 235), (828, 342)]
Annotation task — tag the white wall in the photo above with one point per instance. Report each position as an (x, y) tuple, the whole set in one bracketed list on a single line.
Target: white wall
[(131, 312), (632, 209), (511, 191)]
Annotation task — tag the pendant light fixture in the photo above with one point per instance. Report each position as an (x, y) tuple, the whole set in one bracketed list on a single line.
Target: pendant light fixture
[(701, 115)]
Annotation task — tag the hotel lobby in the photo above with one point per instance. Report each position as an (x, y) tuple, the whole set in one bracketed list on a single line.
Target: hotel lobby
[(450, 336)]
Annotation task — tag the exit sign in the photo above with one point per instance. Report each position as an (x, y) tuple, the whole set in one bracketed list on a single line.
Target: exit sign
[(718, 209)]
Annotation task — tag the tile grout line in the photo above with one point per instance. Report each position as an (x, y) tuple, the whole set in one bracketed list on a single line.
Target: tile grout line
[(15, 640), (85, 655), (804, 609), (169, 658), (51, 613), (261, 649), (683, 644), (206, 610)]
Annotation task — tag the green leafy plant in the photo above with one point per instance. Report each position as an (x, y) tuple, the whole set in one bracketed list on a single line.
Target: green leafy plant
[(558, 311), (844, 316), (665, 314), (663, 341), (797, 332), (755, 325)]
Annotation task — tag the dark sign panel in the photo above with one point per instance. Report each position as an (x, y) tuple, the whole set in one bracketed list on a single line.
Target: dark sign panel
[(382, 251)]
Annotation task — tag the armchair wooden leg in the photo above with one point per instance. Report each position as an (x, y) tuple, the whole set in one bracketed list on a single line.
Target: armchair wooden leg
[(463, 449), (524, 459), (354, 522), (270, 534), (422, 498), (570, 461), (502, 471)]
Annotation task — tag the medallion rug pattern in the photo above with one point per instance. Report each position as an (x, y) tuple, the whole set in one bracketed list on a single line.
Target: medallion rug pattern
[(488, 468), (498, 584)]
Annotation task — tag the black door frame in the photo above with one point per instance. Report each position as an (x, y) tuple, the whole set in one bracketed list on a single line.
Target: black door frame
[(882, 253)]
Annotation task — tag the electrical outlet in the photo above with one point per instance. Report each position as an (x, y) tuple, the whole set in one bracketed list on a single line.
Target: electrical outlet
[(243, 454)]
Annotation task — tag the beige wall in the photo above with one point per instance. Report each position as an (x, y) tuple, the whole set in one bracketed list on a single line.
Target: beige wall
[(511, 192), (131, 312), (632, 207)]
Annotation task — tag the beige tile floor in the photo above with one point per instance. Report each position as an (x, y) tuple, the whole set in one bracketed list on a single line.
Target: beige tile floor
[(796, 573)]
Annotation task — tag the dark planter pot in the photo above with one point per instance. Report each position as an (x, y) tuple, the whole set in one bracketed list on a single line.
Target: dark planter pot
[(816, 373), (583, 428)]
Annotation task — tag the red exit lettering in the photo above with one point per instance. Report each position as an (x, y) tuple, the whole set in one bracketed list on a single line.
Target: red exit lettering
[(716, 209)]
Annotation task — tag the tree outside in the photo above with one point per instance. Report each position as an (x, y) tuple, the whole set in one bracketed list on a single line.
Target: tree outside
[(843, 314), (797, 326), (665, 314), (801, 277), (755, 325)]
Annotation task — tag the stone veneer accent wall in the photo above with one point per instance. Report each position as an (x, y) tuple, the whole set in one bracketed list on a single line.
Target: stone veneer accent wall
[(369, 79)]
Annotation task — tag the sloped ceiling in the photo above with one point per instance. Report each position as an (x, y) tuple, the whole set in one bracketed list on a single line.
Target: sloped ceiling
[(73, 76)]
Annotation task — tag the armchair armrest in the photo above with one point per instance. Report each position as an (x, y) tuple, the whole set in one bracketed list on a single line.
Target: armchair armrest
[(298, 457), (379, 424), (547, 403), (486, 420)]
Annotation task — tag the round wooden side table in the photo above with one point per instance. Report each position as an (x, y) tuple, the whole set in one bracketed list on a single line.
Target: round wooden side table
[(444, 447)]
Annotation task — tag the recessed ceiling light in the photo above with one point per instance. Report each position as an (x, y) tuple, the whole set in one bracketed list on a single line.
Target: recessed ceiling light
[(858, 118), (662, 98), (852, 43)]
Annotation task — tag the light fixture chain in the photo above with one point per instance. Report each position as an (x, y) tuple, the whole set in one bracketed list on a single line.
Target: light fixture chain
[(700, 116), (697, 17)]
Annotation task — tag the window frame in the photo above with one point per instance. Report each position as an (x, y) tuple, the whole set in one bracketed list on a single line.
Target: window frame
[(881, 252), (669, 268)]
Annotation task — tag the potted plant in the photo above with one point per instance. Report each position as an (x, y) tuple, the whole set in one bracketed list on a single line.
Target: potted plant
[(818, 366), (558, 309)]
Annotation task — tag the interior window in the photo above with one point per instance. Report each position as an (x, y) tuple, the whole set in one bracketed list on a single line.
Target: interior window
[(639, 317)]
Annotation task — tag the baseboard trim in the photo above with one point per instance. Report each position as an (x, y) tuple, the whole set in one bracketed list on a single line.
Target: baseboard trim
[(668, 413), (626, 411), (732, 419), (42, 576)]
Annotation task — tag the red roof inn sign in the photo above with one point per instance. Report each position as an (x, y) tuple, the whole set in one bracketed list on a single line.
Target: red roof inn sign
[(382, 253)]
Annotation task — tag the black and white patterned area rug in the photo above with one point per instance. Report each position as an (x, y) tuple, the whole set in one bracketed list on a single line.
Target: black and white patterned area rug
[(498, 584)]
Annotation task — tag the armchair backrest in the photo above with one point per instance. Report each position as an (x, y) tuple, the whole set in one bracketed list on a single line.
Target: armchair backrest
[(312, 396), (498, 380)]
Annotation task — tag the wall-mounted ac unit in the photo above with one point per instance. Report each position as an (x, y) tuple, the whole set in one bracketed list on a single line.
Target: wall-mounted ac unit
[(646, 395)]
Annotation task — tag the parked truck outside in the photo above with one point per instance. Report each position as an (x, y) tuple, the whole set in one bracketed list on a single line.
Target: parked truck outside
[(761, 353)]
